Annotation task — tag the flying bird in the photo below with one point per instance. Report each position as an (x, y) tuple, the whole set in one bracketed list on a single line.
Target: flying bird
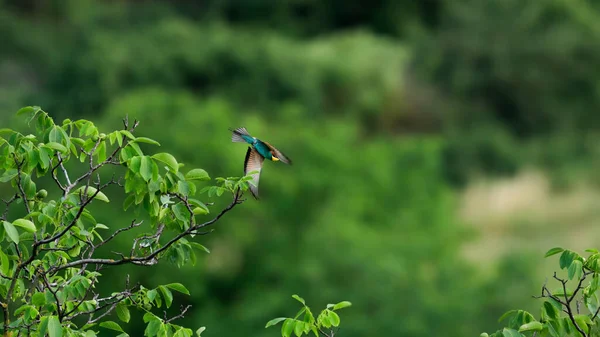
[(256, 154)]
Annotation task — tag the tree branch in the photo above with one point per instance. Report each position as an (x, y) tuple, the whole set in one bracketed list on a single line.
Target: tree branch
[(143, 259)]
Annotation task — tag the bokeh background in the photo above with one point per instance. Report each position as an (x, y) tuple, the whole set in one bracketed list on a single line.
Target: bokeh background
[(440, 147)]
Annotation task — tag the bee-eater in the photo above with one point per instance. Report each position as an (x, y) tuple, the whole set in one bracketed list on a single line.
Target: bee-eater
[(256, 154)]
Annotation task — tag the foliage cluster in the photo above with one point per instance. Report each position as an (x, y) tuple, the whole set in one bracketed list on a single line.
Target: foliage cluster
[(50, 262), (570, 308)]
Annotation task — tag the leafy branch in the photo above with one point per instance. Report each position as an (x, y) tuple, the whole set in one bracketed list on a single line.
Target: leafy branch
[(44, 279), (562, 308)]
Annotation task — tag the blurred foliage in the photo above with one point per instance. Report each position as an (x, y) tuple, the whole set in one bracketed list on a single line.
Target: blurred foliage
[(383, 107)]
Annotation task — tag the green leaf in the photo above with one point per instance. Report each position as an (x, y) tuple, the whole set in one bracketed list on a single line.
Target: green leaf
[(531, 326), (178, 287), (54, 327), (127, 134), (298, 328), (29, 110), (38, 299), (510, 333), (8, 175), (553, 251), (287, 328), (43, 326), (200, 330), (153, 327), (123, 312), (146, 168), (200, 211), (91, 191), (275, 321), (551, 310), (299, 299), (575, 270), (183, 188), (583, 319), (168, 159), (112, 326), (334, 318), (341, 305), (199, 204), (566, 258), (11, 231), (146, 140), (167, 295), (25, 224), (56, 146), (199, 246), (197, 174)]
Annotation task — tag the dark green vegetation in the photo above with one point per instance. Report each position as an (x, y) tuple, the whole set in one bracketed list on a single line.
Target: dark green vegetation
[(386, 110)]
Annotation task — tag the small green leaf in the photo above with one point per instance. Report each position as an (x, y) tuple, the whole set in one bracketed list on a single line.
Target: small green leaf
[(200, 211), (200, 330), (199, 246), (11, 231), (146, 140), (25, 224), (91, 191), (197, 174), (123, 312), (554, 251), (511, 333), (178, 287), (29, 110), (127, 134), (146, 168), (531, 326), (341, 305), (167, 295), (168, 159), (287, 328), (54, 327), (38, 299), (275, 321), (575, 270), (8, 175), (566, 258), (112, 326), (299, 299), (334, 318), (56, 146), (551, 310), (298, 328)]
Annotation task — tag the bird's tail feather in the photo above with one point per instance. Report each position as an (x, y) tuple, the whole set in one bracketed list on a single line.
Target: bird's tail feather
[(236, 135)]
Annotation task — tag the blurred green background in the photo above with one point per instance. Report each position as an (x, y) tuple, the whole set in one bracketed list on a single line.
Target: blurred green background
[(440, 147)]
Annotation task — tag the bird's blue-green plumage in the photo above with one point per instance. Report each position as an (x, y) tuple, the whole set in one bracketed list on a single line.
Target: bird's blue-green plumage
[(257, 152)]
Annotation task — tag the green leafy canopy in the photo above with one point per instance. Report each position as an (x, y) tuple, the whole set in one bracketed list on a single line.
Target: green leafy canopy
[(49, 266)]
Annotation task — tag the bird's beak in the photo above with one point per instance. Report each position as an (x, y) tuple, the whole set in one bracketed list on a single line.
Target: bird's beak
[(275, 159)]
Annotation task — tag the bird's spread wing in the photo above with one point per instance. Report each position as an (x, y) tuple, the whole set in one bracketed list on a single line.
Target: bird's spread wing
[(279, 154), (253, 162), (236, 135)]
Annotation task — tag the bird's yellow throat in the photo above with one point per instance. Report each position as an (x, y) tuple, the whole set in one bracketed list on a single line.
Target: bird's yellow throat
[(274, 158)]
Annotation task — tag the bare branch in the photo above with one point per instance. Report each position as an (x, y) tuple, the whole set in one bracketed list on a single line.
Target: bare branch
[(181, 315), (7, 205), (119, 231)]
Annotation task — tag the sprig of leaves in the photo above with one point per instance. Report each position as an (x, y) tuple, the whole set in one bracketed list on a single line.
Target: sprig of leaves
[(304, 321), (562, 313)]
